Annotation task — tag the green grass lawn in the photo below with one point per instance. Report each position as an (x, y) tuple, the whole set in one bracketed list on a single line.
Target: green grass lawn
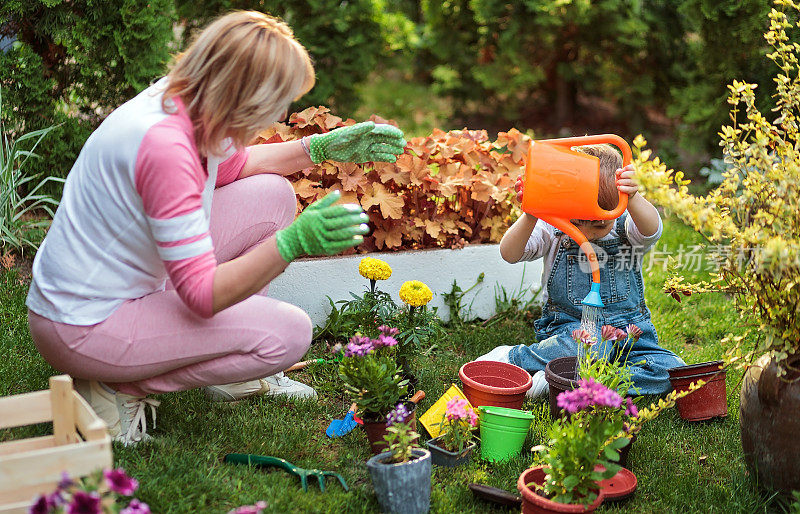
[(181, 471)]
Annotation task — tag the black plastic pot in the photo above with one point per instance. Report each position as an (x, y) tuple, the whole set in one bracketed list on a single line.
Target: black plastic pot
[(442, 457), (403, 488)]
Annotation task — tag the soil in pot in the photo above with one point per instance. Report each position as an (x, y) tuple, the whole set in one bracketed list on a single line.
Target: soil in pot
[(710, 401), (533, 502), (403, 488), (770, 424), (494, 383), (446, 458)]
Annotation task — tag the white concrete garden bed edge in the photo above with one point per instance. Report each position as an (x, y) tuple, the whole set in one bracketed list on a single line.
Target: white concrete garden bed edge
[(307, 282)]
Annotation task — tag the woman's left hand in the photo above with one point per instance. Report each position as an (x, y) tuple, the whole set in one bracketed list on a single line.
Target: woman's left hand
[(362, 142), (626, 182)]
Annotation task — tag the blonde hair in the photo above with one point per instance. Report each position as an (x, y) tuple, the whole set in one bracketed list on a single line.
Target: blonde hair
[(610, 162), (239, 76)]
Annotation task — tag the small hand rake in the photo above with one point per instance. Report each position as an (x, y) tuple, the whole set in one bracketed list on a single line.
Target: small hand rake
[(264, 461)]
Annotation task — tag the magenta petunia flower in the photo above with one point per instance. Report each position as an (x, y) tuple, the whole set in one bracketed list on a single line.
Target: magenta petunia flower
[(119, 482), (385, 340), (85, 503), (42, 505), (136, 507), (65, 481)]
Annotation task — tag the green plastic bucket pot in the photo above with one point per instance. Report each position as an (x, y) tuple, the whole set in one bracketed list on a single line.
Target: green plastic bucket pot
[(503, 431)]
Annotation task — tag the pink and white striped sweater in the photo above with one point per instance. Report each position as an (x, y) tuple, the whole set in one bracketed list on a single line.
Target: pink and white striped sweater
[(135, 210)]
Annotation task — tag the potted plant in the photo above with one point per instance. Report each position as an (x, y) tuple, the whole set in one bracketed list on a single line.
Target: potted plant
[(373, 379), (583, 448), (751, 221), (455, 444), (401, 476), (99, 493)]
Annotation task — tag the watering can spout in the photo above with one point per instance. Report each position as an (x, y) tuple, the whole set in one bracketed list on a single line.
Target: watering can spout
[(593, 298)]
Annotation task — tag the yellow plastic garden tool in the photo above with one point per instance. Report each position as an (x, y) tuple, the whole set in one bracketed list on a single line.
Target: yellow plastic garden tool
[(432, 418), (562, 184)]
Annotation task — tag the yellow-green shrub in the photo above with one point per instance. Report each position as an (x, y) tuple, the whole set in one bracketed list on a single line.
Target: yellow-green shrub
[(752, 219)]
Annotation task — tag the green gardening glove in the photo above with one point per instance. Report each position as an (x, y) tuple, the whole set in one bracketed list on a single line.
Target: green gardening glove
[(323, 229), (362, 142)]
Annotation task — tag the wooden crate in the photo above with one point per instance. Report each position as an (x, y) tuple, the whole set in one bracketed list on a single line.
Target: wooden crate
[(80, 443)]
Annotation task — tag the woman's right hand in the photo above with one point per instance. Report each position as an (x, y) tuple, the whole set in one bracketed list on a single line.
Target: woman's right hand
[(518, 186), (323, 229)]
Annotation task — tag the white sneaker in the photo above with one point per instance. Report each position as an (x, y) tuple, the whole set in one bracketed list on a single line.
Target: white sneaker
[(132, 419), (273, 385), (499, 354), (101, 399), (279, 384), (236, 391), (539, 387)]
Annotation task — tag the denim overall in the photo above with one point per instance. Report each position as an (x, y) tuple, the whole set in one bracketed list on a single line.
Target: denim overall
[(622, 292)]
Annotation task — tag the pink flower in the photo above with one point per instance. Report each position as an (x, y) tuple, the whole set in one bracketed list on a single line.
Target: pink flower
[(358, 346), (588, 394), (634, 332), (384, 340), (456, 409), (136, 507), (85, 503), (389, 331), (608, 333), (473, 418), (119, 482), (250, 509), (630, 408), (582, 336)]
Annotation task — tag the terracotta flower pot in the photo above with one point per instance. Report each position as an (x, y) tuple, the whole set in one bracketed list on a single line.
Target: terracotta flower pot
[(492, 383), (770, 423), (534, 503), (710, 401)]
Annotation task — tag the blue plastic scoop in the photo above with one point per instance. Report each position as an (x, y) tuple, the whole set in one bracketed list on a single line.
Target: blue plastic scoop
[(340, 427)]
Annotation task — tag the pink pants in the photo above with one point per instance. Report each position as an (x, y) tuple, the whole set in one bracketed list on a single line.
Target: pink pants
[(155, 344)]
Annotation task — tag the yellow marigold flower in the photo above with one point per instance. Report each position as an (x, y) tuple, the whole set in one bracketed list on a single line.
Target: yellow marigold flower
[(374, 269), (415, 293)]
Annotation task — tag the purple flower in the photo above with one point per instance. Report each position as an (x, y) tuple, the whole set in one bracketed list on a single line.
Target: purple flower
[(136, 507), (250, 509), (84, 503), (588, 394), (42, 505), (384, 340), (397, 415), (358, 346), (630, 408), (119, 482), (66, 481), (388, 331)]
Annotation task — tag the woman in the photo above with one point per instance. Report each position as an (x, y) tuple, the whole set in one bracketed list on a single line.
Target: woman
[(141, 286)]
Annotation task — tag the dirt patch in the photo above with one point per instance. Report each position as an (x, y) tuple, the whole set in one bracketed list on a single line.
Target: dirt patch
[(22, 265)]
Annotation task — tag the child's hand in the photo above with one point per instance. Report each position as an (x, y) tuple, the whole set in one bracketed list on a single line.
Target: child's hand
[(518, 188), (626, 183)]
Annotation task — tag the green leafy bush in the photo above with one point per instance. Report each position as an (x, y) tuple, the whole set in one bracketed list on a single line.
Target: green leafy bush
[(74, 61)]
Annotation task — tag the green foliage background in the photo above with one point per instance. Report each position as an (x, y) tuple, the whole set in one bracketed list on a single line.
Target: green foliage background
[(556, 66)]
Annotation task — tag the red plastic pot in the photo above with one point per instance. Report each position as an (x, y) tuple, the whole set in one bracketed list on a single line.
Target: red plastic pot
[(695, 369), (492, 383), (710, 401), (534, 503)]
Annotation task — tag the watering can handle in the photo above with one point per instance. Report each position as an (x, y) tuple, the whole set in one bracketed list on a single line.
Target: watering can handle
[(612, 139)]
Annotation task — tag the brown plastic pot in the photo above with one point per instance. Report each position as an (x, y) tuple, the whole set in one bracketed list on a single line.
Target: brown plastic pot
[(695, 369), (493, 383), (559, 375), (534, 503), (710, 401), (769, 420), (376, 428)]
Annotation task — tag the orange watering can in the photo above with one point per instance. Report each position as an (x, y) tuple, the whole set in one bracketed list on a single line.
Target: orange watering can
[(562, 184)]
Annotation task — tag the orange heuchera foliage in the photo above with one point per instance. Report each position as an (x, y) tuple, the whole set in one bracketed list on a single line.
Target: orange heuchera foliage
[(447, 190)]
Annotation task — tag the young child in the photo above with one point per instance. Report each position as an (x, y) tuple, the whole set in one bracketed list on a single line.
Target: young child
[(620, 246)]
